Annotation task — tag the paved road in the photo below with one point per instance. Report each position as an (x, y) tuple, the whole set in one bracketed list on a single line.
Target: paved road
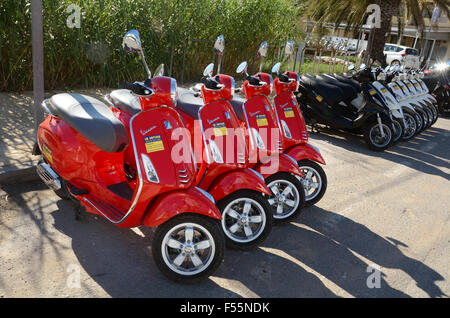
[(388, 210)]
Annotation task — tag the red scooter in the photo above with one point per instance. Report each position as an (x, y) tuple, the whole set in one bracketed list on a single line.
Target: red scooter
[(85, 148), (292, 127), (239, 192)]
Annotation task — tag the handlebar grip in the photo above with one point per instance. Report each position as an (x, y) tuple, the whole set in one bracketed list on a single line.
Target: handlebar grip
[(135, 88)]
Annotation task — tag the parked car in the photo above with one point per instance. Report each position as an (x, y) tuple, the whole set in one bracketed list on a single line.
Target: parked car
[(401, 55)]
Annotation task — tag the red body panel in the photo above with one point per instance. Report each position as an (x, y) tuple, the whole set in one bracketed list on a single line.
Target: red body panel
[(305, 151), (229, 182), (174, 203), (161, 86), (226, 92), (280, 163)]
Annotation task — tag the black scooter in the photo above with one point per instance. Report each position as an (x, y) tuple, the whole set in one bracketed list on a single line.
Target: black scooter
[(331, 104)]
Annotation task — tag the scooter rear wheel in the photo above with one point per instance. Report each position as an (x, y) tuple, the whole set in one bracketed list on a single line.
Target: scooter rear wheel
[(246, 219), (288, 196), (374, 139), (419, 121), (188, 248)]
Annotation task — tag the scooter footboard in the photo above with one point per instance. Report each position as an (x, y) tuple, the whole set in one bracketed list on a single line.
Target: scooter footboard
[(281, 163), (171, 204), (237, 180), (305, 151)]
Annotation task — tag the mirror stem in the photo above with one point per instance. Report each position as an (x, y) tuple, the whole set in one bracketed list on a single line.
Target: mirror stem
[(149, 74)]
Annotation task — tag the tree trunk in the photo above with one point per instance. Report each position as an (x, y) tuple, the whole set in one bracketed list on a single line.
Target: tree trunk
[(389, 8)]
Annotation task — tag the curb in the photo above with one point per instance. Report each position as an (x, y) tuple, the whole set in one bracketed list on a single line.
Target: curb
[(18, 175)]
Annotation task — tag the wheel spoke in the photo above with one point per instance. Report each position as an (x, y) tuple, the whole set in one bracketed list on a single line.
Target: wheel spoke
[(248, 231), (271, 201), (202, 245), (287, 191), (233, 214), (274, 190), (291, 203), (174, 243), (236, 226), (188, 234), (309, 174), (314, 185), (247, 207), (196, 260), (279, 209), (179, 259), (255, 219)]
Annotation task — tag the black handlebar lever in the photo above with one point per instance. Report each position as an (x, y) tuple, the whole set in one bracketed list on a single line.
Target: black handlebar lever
[(137, 88)]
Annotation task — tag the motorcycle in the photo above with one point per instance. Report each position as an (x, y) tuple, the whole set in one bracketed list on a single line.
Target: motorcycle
[(84, 148), (438, 85), (328, 104), (240, 192)]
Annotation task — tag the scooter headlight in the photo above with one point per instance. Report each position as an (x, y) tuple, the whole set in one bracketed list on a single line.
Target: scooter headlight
[(150, 171), (286, 130), (215, 151), (258, 139)]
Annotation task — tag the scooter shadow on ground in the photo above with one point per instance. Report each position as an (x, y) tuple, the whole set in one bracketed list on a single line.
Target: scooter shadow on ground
[(120, 262), (326, 246), (420, 153)]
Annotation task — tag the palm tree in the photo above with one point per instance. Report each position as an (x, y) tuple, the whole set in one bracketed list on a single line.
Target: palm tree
[(353, 13)]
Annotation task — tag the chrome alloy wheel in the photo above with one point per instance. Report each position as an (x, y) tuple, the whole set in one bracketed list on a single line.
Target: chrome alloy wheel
[(188, 249), (285, 200), (243, 220), (312, 182)]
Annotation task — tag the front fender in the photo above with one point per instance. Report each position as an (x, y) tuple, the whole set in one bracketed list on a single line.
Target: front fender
[(284, 163), (235, 180), (305, 151), (171, 204)]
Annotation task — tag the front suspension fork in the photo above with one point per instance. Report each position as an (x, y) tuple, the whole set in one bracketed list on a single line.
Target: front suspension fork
[(380, 124)]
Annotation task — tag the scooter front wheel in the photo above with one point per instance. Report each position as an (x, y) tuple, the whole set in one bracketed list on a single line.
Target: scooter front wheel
[(314, 182), (288, 197), (397, 130), (246, 219), (188, 248), (411, 127), (374, 137)]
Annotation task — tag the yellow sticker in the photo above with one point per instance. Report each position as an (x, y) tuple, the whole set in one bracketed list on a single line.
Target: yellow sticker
[(261, 120), (396, 87), (372, 92), (384, 90), (47, 153), (220, 129), (319, 98), (409, 84), (288, 112), (416, 85), (153, 143)]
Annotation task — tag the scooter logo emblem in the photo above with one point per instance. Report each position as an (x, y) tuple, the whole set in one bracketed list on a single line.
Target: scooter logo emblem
[(210, 121), (145, 132), (284, 105), (253, 114)]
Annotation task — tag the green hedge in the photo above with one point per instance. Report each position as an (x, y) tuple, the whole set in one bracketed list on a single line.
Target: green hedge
[(91, 56)]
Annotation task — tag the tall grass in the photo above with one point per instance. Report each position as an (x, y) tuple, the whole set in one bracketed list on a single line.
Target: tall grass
[(91, 56)]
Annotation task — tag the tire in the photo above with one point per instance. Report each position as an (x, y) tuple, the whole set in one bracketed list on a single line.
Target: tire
[(421, 116), (373, 138), (289, 196), (313, 174), (397, 130), (244, 226), (205, 230), (430, 116), (411, 126), (435, 113)]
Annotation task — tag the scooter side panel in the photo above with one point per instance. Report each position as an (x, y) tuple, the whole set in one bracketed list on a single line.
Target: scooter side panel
[(276, 164), (305, 151), (175, 203), (235, 180)]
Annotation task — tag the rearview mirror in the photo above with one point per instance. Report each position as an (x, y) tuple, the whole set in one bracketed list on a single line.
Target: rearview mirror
[(351, 67), (219, 45), (262, 51), (362, 66), (289, 49), (132, 42), (242, 68), (208, 70), (159, 70), (276, 68)]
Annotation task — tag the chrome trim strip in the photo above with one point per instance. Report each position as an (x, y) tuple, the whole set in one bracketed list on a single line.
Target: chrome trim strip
[(204, 137), (257, 174), (248, 126), (209, 196)]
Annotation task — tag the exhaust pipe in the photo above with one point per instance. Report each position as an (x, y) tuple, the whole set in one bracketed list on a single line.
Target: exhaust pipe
[(50, 177)]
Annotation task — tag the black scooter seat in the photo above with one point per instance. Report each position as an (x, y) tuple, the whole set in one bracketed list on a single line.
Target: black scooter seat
[(92, 119), (349, 81), (189, 102), (332, 94), (348, 90)]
